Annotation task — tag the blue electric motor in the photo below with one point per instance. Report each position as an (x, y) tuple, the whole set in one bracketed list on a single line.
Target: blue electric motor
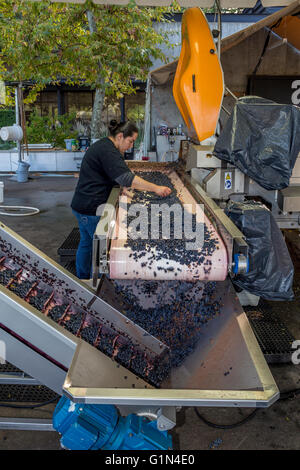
[(95, 427)]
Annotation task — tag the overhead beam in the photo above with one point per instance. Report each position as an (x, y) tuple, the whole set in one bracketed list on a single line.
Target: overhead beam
[(187, 3)]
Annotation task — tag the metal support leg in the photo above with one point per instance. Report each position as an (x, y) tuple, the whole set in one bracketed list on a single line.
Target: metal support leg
[(26, 424), (165, 415), (17, 379)]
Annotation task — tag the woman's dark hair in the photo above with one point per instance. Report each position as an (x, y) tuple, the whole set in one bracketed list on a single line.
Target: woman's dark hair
[(126, 127)]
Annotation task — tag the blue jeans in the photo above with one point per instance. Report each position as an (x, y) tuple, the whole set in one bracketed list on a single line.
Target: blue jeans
[(87, 226)]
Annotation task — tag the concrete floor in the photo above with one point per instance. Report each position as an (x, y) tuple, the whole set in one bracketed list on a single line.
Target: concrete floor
[(277, 427)]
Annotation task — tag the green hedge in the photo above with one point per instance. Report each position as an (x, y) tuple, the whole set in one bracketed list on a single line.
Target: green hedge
[(40, 129), (7, 118), (53, 130)]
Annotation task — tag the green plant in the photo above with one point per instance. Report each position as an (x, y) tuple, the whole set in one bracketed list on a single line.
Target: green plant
[(63, 128), (101, 46), (136, 113), (7, 118), (39, 129), (45, 129)]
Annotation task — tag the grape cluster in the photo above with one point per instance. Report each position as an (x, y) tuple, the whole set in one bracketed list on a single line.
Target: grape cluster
[(106, 341), (90, 334), (149, 287), (139, 363), (124, 353), (39, 301), (21, 289), (159, 371), (57, 312), (176, 315), (74, 323), (6, 275)]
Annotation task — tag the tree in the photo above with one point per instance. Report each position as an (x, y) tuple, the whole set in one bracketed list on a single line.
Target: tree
[(104, 47)]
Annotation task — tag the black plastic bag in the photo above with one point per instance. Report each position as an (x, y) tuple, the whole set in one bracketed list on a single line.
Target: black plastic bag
[(262, 139), (271, 270)]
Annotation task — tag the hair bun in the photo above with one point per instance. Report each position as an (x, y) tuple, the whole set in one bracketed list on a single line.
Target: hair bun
[(113, 125), (126, 128)]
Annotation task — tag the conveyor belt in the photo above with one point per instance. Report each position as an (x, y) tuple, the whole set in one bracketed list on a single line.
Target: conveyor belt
[(166, 257), (81, 322)]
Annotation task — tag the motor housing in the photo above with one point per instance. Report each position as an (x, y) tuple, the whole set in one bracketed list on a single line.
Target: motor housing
[(96, 427)]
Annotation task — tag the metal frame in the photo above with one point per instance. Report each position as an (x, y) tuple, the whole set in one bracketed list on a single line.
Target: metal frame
[(26, 424), (232, 237), (54, 357), (274, 199), (284, 220), (17, 379), (70, 366), (102, 236)]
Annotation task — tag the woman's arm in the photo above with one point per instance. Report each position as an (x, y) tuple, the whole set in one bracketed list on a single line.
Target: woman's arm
[(143, 185)]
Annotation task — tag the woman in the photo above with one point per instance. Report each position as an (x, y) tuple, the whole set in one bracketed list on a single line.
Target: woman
[(102, 167)]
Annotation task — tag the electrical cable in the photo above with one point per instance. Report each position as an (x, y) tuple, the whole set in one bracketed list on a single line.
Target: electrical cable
[(38, 405), (226, 426), (289, 394), (283, 396)]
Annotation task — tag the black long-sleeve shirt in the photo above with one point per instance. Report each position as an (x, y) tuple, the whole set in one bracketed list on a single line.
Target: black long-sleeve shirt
[(102, 166)]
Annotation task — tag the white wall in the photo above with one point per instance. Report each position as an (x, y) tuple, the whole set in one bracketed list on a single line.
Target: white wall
[(42, 161), (175, 37)]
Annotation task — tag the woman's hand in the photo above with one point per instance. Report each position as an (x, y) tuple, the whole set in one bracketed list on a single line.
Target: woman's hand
[(162, 191), (127, 192), (143, 185)]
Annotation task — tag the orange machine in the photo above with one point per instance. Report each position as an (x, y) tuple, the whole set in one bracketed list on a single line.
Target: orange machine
[(198, 84)]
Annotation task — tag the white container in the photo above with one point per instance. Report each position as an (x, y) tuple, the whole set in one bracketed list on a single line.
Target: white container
[(9, 133), (39, 146), (1, 192)]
